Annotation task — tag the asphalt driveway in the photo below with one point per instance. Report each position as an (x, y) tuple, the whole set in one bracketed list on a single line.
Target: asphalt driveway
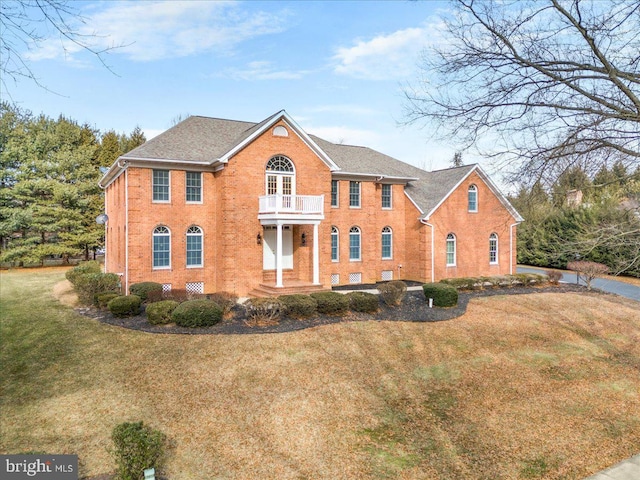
[(606, 285)]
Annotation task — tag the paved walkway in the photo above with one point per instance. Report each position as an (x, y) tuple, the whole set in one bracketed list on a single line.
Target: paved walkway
[(626, 470), (604, 284)]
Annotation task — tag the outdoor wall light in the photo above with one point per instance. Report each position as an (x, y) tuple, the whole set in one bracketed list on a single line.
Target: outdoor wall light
[(259, 239), (303, 239)]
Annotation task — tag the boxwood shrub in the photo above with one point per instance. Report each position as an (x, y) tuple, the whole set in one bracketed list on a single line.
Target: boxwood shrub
[(331, 303), (89, 285), (443, 295), (125, 305), (82, 269), (102, 299), (393, 292), (142, 289), (159, 313), (299, 306), (197, 313), (363, 302)]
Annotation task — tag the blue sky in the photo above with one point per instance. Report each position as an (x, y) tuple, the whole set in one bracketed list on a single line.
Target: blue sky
[(338, 68)]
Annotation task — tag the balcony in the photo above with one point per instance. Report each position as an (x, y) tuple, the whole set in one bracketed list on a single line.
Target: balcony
[(300, 207)]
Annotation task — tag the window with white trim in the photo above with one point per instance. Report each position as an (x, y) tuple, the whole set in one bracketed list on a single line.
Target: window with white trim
[(280, 178), (193, 187), (493, 248), (161, 247), (473, 198), (354, 194), (335, 242), (354, 244), (386, 196), (334, 193), (387, 243), (194, 246), (451, 250), (160, 186)]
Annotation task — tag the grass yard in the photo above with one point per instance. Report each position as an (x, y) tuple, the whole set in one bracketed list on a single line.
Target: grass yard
[(542, 386)]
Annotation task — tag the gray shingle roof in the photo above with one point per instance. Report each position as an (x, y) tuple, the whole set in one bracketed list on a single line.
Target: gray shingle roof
[(204, 139)]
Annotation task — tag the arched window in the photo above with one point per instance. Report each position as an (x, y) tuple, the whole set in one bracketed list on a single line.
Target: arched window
[(473, 198), (354, 244), (335, 238), (493, 248), (280, 178), (194, 246), (451, 250), (161, 247), (387, 243)]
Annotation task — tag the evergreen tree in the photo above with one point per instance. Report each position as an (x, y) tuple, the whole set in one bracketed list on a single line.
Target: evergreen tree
[(110, 149)]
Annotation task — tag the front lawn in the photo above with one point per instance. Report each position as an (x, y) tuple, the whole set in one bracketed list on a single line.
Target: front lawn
[(530, 386)]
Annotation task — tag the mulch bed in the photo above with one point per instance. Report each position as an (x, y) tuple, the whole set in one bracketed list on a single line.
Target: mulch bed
[(413, 309)]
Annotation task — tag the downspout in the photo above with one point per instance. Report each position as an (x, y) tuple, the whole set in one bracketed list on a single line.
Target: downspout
[(106, 232), (433, 264), (126, 231)]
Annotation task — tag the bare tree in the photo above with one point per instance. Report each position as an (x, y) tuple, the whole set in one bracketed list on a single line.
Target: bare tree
[(544, 84), (22, 23)]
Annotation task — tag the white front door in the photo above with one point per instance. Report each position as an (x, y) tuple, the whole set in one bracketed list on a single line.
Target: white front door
[(269, 247)]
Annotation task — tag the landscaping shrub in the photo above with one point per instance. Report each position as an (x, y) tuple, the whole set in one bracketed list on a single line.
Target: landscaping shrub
[(554, 276), (159, 313), (263, 311), (443, 295), (331, 303), (299, 306), (125, 305), (393, 292), (179, 295), (88, 285), (225, 300), (102, 299), (463, 283), (143, 289), (82, 269), (363, 302), (587, 271), (197, 313), (136, 448)]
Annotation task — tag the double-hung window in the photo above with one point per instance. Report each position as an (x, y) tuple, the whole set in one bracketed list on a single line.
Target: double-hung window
[(386, 196), (194, 246), (354, 244), (493, 248), (160, 186), (193, 189), (473, 198), (335, 252), (354, 194), (451, 250), (334, 193), (161, 247), (387, 243)]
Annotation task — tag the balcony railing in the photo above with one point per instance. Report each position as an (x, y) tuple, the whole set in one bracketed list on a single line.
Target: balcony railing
[(296, 204)]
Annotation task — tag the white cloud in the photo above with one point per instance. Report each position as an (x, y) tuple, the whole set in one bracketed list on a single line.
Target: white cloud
[(262, 70), (147, 31), (384, 57)]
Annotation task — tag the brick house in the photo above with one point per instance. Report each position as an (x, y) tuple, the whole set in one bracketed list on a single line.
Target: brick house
[(216, 205)]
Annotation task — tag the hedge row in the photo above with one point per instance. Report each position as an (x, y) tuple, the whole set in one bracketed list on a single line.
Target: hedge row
[(481, 283)]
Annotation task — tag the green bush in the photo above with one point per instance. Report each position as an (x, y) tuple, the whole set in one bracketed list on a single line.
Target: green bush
[(443, 295), (143, 289), (363, 302), (462, 283), (299, 306), (159, 313), (125, 305), (225, 300), (82, 269), (136, 448), (197, 313), (262, 311), (89, 285), (393, 292), (331, 303), (102, 299)]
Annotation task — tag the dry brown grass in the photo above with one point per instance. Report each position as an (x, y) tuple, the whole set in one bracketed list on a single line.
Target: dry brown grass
[(533, 386)]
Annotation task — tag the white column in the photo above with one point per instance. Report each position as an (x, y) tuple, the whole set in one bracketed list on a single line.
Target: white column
[(279, 255), (316, 256)]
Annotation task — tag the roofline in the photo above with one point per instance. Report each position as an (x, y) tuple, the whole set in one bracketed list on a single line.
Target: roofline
[(376, 176), (282, 114), (496, 191), (414, 203)]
